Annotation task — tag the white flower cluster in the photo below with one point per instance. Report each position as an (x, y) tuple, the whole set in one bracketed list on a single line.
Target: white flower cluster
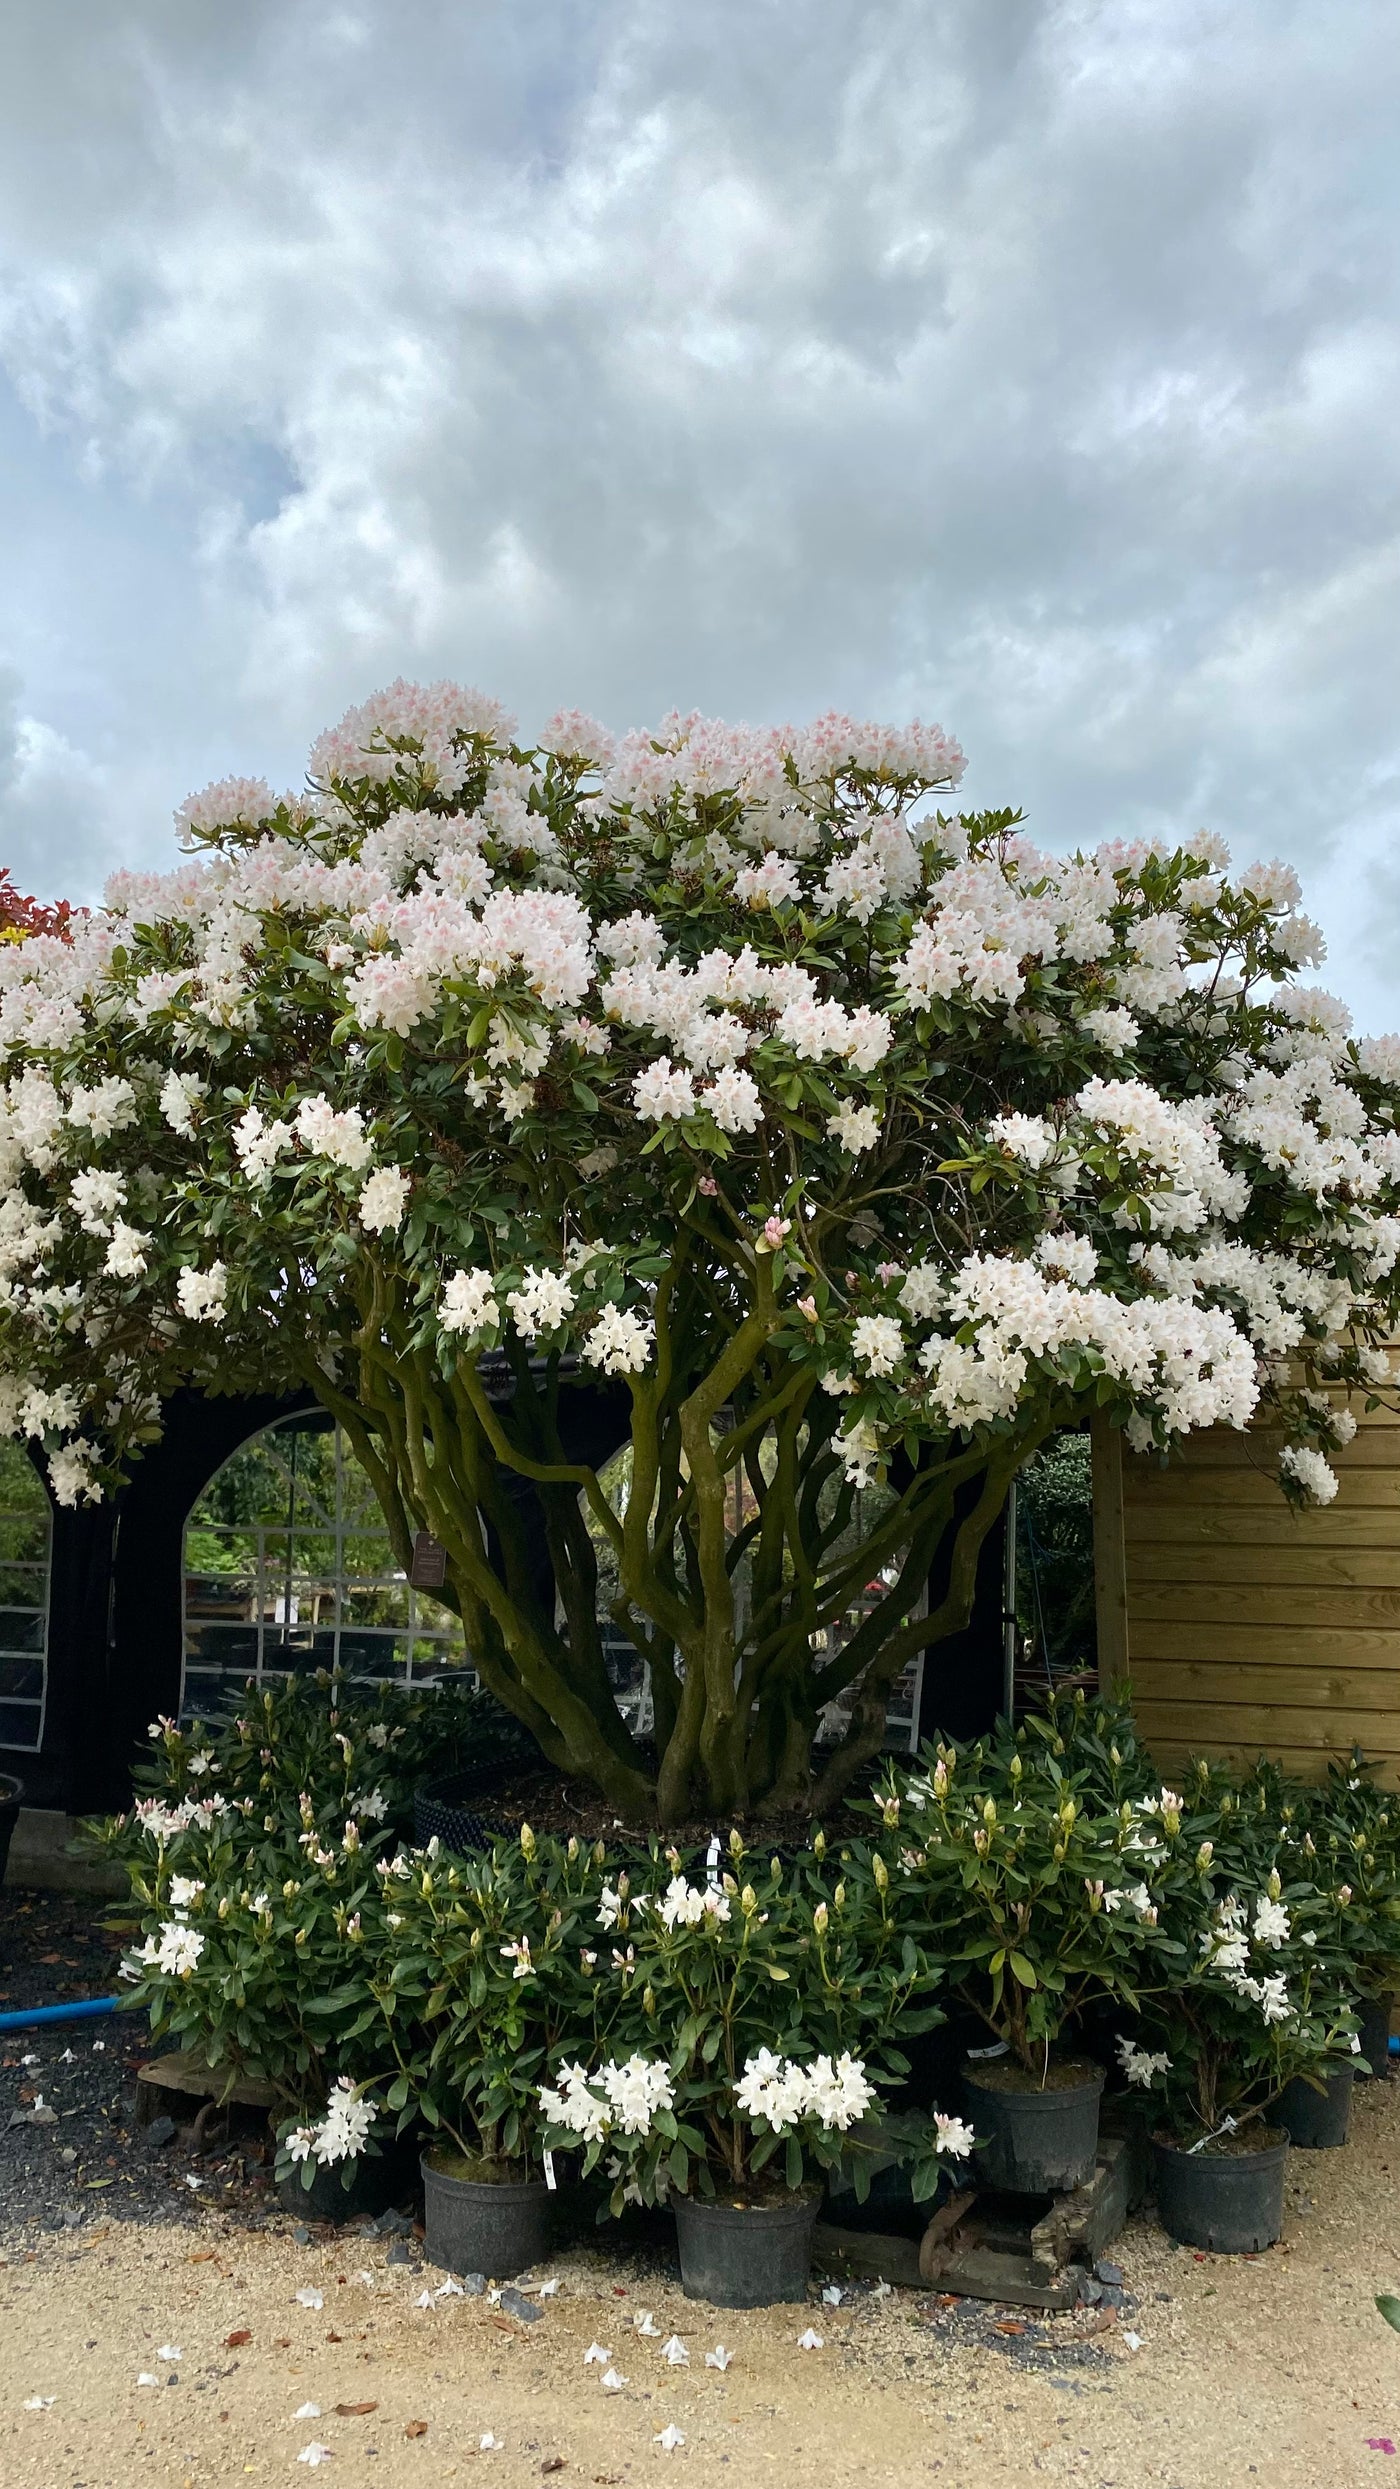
[(692, 1905), (1226, 1948), (1142, 2066), (616, 2097), (780, 2093), (341, 2134)]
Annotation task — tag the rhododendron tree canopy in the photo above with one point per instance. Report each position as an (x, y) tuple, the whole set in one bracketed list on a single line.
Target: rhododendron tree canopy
[(851, 1144)]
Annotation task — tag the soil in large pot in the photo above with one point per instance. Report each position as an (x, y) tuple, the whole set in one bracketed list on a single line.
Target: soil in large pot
[(1036, 2137), (483, 2216), (11, 1800), (1228, 2196), (746, 2255), (1317, 2120)]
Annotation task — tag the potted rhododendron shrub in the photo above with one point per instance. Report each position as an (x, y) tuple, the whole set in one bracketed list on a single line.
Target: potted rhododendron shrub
[(492, 1969), (1260, 1996), (760, 2003), (1034, 1896), (717, 1097)]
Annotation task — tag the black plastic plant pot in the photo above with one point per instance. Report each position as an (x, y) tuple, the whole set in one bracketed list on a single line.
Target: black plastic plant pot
[(1317, 2120), (1228, 2202), (456, 1809), (1373, 2014), (1035, 2140), (498, 2227), (746, 2255), (11, 1800), (374, 2186)]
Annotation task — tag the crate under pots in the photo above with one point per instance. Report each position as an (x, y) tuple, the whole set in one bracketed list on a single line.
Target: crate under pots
[(1225, 2195), (747, 2254), (1038, 2134), (482, 2217), (1314, 2118)]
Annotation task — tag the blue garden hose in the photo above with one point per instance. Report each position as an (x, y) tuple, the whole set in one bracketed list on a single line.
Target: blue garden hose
[(84, 2011)]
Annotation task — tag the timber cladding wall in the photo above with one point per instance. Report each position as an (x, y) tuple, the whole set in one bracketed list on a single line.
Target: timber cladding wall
[(1245, 1627)]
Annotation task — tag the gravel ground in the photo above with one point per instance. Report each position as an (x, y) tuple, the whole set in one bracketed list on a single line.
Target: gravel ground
[(113, 2268)]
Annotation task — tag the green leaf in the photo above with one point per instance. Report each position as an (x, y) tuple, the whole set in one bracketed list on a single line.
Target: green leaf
[(1023, 1971), (1389, 2307)]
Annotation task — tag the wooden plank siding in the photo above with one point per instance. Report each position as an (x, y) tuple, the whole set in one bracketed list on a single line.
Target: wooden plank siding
[(1242, 1626)]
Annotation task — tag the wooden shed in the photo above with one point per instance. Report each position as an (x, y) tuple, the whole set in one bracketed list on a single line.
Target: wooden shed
[(1245, 1627)]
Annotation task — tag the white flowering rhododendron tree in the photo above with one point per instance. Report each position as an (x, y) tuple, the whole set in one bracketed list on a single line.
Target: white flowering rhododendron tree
[(840, 1137)]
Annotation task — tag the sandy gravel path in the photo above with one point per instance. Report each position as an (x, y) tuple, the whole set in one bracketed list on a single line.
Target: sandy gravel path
[(1276, 2369)]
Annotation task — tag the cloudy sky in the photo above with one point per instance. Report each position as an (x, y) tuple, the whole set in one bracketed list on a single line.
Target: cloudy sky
[(1031, 367)]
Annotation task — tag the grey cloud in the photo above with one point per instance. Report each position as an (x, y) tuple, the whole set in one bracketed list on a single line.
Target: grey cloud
[(1032, 366)]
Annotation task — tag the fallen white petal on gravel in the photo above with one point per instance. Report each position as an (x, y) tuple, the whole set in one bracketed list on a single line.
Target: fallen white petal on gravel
[(611, 2382), (595, 2356), (646, 2323), (315, 2453), (425, 2301), (670, 2437), (549, 2289), (39, 2402), (1133, 2341), (810, 2341), (490, 2444), (833, 2295), (675, 2353), (311, 2299), (718, 2358), (146, 2378), (307, 2411), (450, 2289), (171, 2353)]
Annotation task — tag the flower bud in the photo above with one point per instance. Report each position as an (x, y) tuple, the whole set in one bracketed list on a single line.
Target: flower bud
[(736, 1842), (838, 1898), (748, 1901), (572, 1851), (1344, 1894), (1114, 1757), (1275, 1886), (989, 1812), (1058, 1853), (820, 1918), (624, 1885), (600, 1854), (882, 1875), (649, 2001), (819, 1844), (1017, 1767), (527, 1843), (890, 1811), (1204, 1856)]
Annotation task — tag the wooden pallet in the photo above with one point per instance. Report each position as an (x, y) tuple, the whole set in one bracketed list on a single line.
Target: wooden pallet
[(1029, 2251)]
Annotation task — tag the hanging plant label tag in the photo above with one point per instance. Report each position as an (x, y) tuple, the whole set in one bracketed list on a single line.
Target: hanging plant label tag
[(428, 1571), (549, 2178)]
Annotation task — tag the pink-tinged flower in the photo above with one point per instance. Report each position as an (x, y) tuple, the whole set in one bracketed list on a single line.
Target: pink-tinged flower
[(774, 1230), (708, 1186), (807, 1307)]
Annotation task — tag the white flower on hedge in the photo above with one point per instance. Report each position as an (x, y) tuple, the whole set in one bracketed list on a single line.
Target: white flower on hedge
[(540, 1303), (923, 1291), (184, 1889), (1141, 2066), (519, 1954), (468, 1302), (1272, 1925), (383, 1199), (781, 2092), (609, 1906), (201, 1294), (1027, 1137), (175, 1951), (953, 2135), (877, 1343), (857, 1128), (622, 2095), (1314, 1476), (619, 1342), (96, 1198), (345, 2128), (340, 1137), (688, 1905)]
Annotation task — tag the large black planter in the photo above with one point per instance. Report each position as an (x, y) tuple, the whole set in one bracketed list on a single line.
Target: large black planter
[(1231, 2202), (746, 2255), (374, 2186), (11, 1800), (1317, 2120), (475, 2225), (1373, 2013), (1034, 2142)]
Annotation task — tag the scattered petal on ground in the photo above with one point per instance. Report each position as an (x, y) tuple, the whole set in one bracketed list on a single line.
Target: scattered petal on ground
[(315, 2453), (490, 2444), (833, 2295), (171, 2353), (1133, 2341), (810, 2341), (718, 2358), (670, 2437), (146, 2378), (646, 2323), (595, 2356), (425, 2301), (311, 2299), (1381, 2445), (39, 2402), (675, 2353), (549, 2290), (307, 2411), (612, 2383), (449, 2289)]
